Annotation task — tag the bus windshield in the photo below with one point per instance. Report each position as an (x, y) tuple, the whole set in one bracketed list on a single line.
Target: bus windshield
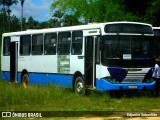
[(127, 50)]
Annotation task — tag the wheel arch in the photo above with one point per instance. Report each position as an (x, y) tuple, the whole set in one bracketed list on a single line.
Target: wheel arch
[(76, 74), (23, 72)]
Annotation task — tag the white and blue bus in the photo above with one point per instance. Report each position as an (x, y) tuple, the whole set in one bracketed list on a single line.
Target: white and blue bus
[(100, 56)]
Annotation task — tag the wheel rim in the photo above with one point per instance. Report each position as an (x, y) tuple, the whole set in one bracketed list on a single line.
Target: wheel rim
[(79, 87), (25, 81)]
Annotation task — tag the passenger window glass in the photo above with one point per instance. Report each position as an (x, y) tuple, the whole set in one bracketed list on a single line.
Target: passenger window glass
[(64, 43), (6, 46), (50, 43), (37, 44), (25, 45), (77, 37)]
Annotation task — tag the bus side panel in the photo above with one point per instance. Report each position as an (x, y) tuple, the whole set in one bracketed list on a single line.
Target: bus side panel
[(64, 80), (5, 66), (42, 69), (24, 63), (76, 64), (38, 64), (56, 79)]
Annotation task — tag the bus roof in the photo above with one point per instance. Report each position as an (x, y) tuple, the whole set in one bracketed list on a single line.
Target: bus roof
[(156, 27), (129, 23), (71, 28)]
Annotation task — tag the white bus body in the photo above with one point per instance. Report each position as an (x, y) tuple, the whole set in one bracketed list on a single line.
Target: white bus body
[(81, 56)]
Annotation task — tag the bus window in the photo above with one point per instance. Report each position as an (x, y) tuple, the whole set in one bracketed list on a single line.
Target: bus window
[(6, 44), (37, 44), (77, 37), (25, 45), (64, 43), (50, 43)]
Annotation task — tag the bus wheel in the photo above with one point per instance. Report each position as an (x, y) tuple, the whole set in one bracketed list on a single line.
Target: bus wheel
[(25, 80), (79, 86)]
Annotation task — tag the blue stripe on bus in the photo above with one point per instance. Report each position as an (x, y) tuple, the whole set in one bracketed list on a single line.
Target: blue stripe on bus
[(104, 85), (63, 80), (66, 81), (5, 75)]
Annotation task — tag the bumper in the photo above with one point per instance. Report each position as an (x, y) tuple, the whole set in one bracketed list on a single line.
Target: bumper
[(104, 85)]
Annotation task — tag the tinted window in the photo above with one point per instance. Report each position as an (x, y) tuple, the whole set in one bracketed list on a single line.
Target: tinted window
[(6, 46), (127, 50), (25, 45), (77, 37), (64, 40), (128, 28), (157, 42), (50, 43), (156, 32), (37, 44)]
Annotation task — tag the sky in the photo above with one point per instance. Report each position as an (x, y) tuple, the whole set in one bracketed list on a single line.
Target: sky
[(38, 9)]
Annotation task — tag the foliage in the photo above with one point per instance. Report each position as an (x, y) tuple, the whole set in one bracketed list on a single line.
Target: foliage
[(6, 5), (111, 10), (97, 10), (153, 12), (62, 19), (76, 12)]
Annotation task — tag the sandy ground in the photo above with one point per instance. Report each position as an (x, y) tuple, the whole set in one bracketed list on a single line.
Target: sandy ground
[(100, 118), (120, 118)]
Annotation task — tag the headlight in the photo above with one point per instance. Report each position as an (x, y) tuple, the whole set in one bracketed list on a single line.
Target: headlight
[(148, 80), (112, 80)]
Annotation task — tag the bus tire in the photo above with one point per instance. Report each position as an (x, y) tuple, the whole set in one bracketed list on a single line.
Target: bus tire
[(25, 80), (79, 86)]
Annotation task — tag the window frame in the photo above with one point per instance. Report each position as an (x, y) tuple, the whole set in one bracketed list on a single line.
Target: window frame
[(54, 35), (25, 45), (62, 41), (6, 46), (76, 42), (37, 44)]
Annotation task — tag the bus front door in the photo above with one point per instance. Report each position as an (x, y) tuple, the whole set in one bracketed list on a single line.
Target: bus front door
[(13, 61), (90, 65)]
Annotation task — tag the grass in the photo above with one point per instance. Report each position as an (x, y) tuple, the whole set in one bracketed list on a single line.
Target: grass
[(13, 97)]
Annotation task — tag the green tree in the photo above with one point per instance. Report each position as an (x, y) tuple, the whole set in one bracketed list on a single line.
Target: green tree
[(3, 3), (22, 2), (32, 24), (97, 10), (15, 23), (147, 11), (153, 12), (8, 4), (6, 9)]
